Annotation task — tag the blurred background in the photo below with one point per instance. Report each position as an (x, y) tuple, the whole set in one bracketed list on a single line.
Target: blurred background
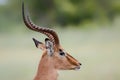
[(88, 29)]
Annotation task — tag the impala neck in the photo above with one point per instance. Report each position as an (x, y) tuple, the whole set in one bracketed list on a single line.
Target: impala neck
[(46, 70)]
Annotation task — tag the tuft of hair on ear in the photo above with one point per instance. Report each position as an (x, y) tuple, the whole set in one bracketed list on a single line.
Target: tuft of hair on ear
[(36, 42)]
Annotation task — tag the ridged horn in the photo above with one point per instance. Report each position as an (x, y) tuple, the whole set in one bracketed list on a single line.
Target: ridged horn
[(51, 34)]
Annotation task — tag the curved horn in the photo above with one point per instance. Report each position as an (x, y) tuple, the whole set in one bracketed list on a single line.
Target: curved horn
[(48, 32)]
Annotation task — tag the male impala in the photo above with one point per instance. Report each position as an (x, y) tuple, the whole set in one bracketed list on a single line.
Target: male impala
[(54, 56)]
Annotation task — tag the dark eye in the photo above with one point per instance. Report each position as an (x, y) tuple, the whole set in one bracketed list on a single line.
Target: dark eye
[(62, 53)]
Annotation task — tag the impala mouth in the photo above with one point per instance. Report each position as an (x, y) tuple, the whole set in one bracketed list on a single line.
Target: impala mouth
[(77, 68)]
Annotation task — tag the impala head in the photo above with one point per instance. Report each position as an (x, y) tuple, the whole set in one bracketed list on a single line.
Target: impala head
[(52, 48)]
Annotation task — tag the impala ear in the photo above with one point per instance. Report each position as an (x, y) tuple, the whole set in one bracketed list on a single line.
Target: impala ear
[(49, 47), (38, 44)]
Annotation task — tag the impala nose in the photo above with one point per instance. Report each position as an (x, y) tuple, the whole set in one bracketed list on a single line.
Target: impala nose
[(78, 67), (80, 64)]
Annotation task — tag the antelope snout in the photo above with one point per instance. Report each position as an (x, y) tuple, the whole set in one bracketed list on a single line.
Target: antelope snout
[(78, 67), (80, 64)]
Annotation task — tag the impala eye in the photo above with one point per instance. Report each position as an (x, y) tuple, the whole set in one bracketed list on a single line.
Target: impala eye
[(61, 53)]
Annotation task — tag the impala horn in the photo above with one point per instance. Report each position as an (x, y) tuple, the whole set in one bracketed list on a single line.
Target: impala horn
[(51, 34)]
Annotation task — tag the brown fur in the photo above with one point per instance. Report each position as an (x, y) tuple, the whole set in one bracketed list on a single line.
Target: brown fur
[(49, 66)]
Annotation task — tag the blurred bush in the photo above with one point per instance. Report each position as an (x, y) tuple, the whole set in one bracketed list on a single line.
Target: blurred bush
[(60, 12)]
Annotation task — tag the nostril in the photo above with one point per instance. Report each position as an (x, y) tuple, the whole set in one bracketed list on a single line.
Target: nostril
[(80, 64)]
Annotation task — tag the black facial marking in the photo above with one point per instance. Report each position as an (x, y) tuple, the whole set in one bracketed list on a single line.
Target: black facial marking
[(61, 52)]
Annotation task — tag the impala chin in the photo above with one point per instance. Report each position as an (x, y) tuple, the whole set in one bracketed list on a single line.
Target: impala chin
[(77, 68)]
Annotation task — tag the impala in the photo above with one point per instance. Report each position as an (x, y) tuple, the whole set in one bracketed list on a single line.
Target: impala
[(54, 57)]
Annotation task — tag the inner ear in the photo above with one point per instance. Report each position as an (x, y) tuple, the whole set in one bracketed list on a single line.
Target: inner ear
[(38, 44), (49, 46)]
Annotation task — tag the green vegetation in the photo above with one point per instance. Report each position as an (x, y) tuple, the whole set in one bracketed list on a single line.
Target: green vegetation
[(60, 12), (88, 29)]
